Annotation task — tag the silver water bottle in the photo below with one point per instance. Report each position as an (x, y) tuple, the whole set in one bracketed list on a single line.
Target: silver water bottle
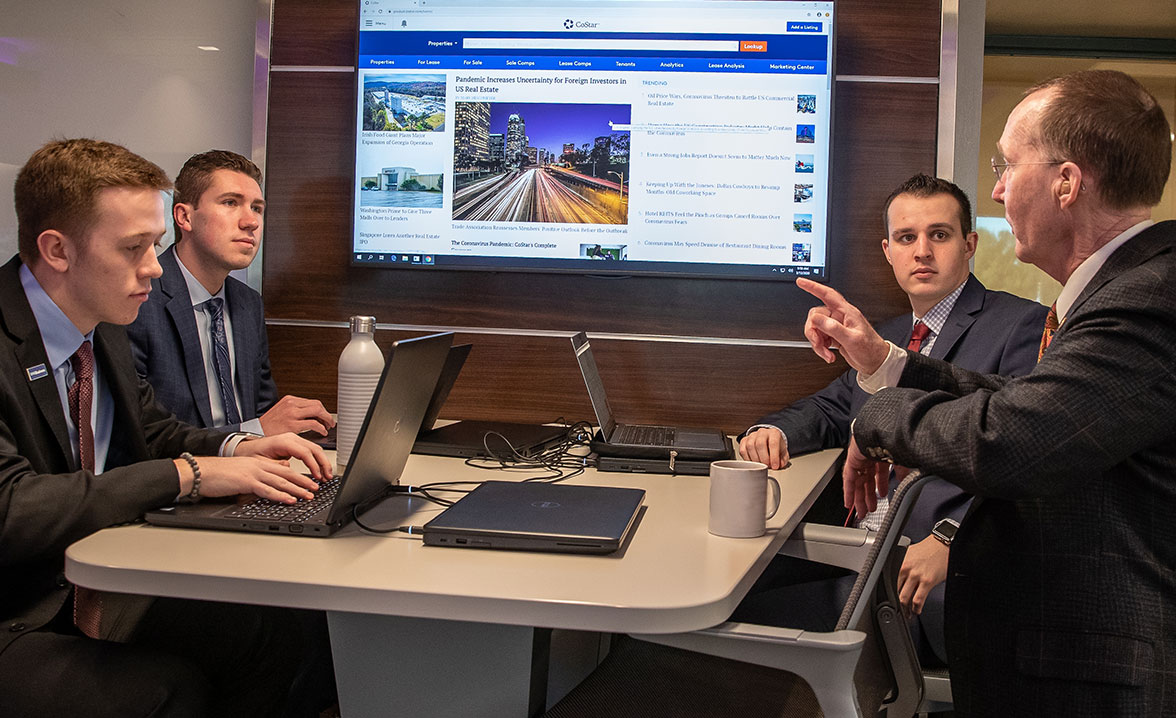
[(360, 367)]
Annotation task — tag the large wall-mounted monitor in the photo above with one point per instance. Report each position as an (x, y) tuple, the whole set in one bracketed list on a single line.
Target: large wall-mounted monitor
[(663, 137)]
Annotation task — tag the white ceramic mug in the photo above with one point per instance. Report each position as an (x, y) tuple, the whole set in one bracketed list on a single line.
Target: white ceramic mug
[(739, 506)]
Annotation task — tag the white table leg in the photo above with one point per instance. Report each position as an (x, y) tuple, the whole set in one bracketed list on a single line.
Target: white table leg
[(405, 667)]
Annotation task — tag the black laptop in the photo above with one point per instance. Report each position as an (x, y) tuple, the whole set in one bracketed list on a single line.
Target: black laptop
[(669, 465), (470, 439), (538, 516), (642, 441), (381, 451)]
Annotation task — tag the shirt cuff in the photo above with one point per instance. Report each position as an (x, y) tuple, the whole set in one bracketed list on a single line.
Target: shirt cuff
[(888, 374), (229, 446), (253, 426)]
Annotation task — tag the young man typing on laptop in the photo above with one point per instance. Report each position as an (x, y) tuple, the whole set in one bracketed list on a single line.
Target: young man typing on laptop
[(84, 445), (200, 338)]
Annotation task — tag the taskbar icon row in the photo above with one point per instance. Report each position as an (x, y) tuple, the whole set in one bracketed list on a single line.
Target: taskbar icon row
[(385, 258)]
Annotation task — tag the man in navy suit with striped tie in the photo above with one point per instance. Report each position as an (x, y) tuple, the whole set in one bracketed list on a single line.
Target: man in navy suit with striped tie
[(200, 339)]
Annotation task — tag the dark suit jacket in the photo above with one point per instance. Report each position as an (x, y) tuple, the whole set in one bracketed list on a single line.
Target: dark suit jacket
[(166, 347), (46, 501), (1061, 594), (991, 332)]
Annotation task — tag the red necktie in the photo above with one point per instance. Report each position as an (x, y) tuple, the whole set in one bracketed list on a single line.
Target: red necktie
[(918, 334), (87, 603), (81, 402), (1051, 326)]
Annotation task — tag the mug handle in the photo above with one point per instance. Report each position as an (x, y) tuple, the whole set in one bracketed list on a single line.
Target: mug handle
[(775, 503)]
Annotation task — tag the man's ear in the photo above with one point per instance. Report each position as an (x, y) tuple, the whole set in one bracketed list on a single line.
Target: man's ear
[(970, 240), (886, 249), (56, 250), (182, 213), (1069, 184)]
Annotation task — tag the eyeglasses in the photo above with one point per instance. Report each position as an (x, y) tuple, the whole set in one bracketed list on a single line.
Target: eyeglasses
[(998, 168)]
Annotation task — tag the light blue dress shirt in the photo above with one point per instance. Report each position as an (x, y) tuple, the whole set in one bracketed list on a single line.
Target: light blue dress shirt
[(61, 339)]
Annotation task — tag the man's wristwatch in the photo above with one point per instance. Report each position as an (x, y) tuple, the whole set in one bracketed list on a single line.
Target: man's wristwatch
[(945, 530)]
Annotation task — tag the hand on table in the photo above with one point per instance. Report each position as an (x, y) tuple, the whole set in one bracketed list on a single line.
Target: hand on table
[(766, 446)]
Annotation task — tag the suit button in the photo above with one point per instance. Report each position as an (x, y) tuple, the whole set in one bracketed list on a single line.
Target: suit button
[(61, 582), (16, 627)]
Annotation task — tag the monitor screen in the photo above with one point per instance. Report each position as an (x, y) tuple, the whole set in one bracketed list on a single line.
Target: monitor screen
[(663, 137)]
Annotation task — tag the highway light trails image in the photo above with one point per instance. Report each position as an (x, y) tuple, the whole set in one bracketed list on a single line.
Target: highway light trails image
[(536, 195)]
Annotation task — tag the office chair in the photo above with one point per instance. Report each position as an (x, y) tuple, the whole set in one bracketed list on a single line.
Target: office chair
[(748, 670)]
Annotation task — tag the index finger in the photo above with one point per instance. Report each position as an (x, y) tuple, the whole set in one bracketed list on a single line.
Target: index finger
[(312, 455), (320, 413), (830, 296)]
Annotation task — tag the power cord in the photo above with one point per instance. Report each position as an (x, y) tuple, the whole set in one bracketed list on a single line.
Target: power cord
[(557, 462)]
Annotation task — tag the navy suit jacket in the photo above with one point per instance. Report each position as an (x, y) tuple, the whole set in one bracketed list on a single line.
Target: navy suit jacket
[(166, 347), (991, 332), (1061, 588), (46, 501)]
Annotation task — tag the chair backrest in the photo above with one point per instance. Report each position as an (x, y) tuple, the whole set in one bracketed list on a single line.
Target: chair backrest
[(888, 533)]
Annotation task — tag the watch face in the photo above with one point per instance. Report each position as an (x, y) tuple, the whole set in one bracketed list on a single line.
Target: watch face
[(945, 530)]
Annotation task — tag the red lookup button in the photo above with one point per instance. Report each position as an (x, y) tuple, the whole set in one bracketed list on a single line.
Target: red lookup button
[(753, 46)]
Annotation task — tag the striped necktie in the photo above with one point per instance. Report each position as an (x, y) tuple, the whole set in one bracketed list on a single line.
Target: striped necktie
[(221, 361)]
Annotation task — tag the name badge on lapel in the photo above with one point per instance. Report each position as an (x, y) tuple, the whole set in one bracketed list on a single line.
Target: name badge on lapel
[(37, 372)]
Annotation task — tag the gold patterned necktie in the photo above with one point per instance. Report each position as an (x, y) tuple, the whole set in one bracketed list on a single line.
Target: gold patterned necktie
[(1051, 326)]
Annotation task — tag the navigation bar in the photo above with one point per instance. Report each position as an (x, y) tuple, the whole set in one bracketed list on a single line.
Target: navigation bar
[(630, 64)]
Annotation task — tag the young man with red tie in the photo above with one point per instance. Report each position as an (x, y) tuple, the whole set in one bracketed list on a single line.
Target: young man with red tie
[(84, 445)]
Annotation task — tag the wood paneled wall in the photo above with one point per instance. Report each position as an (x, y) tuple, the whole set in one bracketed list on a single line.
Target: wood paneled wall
[(883, 133)]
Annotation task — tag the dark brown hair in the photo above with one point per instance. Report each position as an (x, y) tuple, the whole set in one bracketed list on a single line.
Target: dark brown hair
[(924, 185), (58, 187), (195, 176), (1109, 125)]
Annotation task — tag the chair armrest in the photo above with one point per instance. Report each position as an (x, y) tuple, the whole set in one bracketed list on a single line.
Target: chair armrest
[(834, 545)]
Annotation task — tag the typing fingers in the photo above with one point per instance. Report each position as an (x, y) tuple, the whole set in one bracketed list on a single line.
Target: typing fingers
[(285, 481)]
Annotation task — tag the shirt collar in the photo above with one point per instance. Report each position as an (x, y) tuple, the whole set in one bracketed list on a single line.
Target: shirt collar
[(59, 335), (937, 315), (1090, 266), (196, 291)]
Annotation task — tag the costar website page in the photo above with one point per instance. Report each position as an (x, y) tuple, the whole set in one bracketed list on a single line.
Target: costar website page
[(685, 137)]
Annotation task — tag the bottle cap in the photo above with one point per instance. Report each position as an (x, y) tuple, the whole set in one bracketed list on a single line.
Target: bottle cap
[(363, 324)]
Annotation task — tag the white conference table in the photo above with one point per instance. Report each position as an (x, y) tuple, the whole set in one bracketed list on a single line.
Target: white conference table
[(435, 631)]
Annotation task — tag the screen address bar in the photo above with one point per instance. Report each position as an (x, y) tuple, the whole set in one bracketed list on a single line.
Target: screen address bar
[(589, 43)]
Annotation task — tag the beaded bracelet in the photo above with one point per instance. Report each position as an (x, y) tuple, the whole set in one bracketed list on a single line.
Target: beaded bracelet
[(194, 494)]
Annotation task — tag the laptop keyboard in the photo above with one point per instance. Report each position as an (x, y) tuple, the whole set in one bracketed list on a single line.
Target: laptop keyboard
[(644, 435), (301, 512)]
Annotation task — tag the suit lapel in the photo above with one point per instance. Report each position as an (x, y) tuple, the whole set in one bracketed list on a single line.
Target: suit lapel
[(179, 308), (31, 357), (963, 315), (242, 347), (124, 392)]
